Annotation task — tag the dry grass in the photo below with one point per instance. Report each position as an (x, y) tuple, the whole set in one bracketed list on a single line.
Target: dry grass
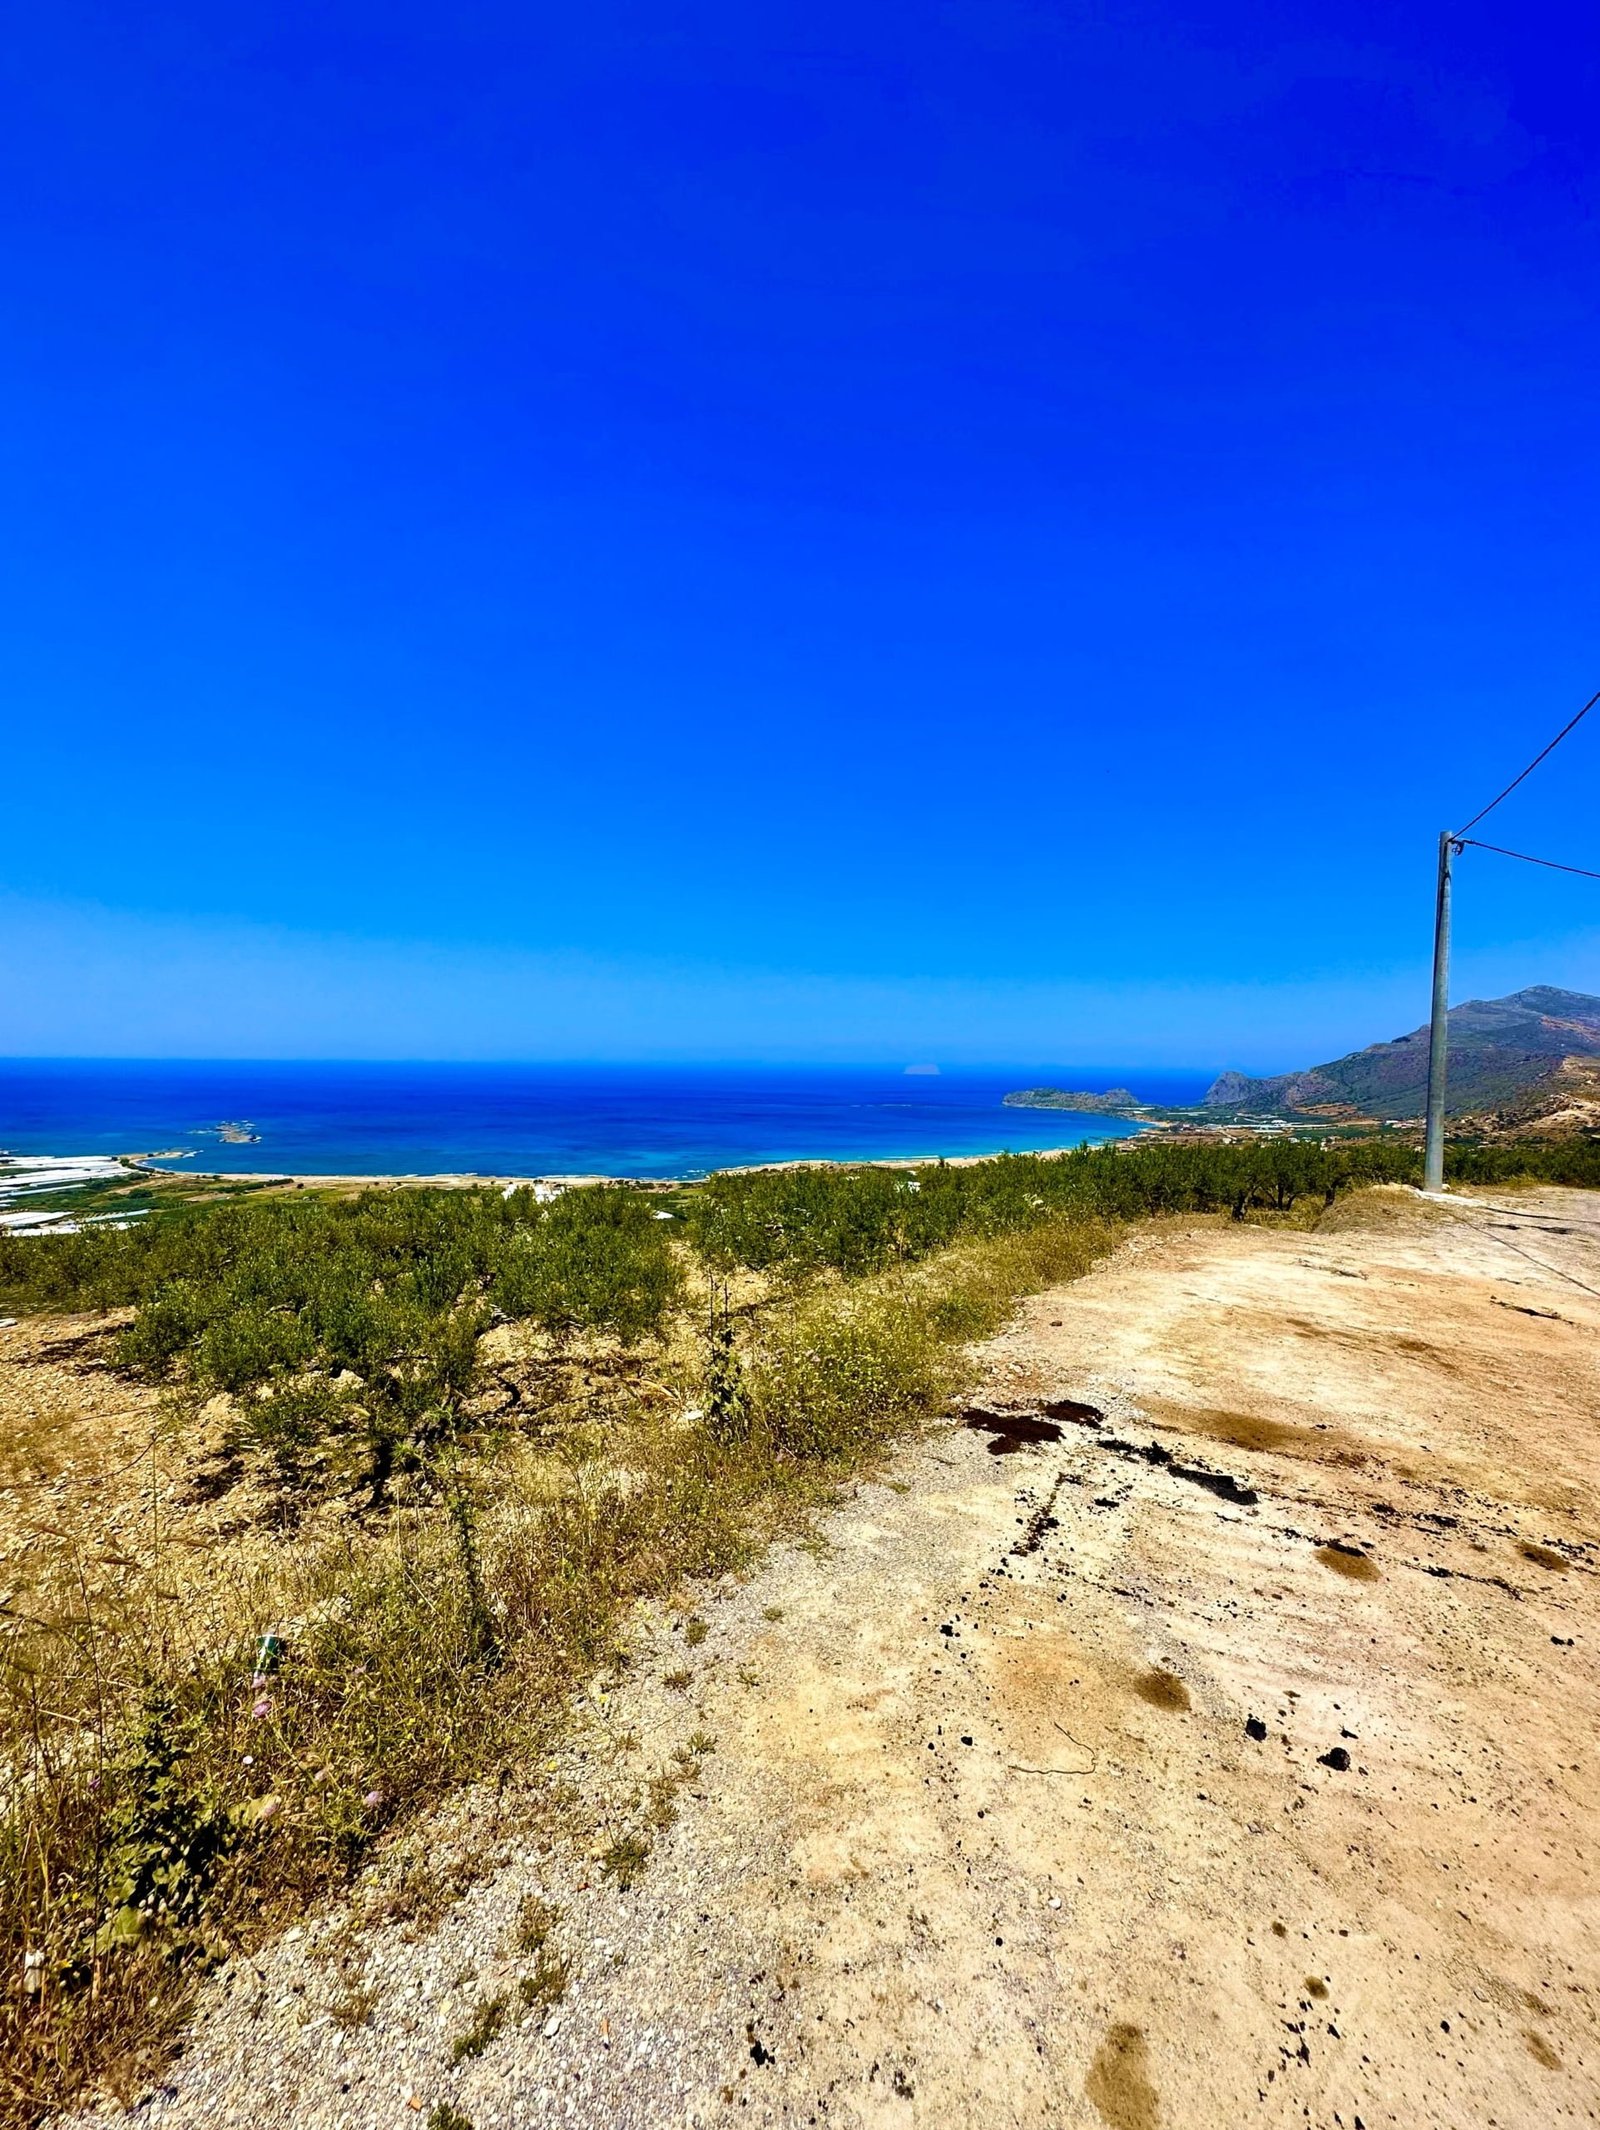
[(171, 1802), (1382, 1208)]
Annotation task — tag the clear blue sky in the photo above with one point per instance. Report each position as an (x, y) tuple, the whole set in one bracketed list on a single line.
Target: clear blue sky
[(982, 530)]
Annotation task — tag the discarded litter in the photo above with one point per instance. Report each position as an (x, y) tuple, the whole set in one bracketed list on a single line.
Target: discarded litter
[(268, 1651)]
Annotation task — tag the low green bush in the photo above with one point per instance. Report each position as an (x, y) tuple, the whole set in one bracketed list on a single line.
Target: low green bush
[(857, 1220), (1565, 1161), (801, 1221), (596, 1261), (348, 1329)]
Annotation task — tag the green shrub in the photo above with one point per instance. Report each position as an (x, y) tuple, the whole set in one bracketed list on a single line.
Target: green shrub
[(595, 1261), (853, 1221), (344, 1325), (1566, 1161)]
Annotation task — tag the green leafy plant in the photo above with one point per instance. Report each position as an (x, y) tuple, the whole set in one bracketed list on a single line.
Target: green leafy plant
[(546, 1985), (536, 1918), (487, 2020), (624, 1860), (165, 1832), (727, 1409)]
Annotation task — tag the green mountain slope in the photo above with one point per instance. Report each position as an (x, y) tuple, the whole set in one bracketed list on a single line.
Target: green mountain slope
[(1502, 1051)]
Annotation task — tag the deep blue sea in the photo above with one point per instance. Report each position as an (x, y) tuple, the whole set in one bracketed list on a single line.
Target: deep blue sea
[(535, 1120)]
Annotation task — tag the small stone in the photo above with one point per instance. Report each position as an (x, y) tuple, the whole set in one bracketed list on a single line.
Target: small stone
[(1256, 1728), (1336, 1758)]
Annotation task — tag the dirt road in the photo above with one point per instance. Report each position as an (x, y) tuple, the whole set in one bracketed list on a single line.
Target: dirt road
[(1248, 1776)]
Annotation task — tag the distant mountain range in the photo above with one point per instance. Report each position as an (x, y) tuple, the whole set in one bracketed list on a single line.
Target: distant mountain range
[(1530, 1057)]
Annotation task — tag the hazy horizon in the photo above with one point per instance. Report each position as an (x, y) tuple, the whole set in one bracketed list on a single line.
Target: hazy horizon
[(97, 983)]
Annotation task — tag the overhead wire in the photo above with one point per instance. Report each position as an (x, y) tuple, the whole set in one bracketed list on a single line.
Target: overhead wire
[(1477, 1226), (1555, 865), (1528, 772)]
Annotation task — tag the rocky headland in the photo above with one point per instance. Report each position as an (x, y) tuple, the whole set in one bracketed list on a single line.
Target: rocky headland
[(1524, 1065)]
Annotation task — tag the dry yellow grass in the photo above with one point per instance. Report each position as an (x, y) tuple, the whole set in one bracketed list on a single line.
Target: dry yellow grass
[(174, 1794)]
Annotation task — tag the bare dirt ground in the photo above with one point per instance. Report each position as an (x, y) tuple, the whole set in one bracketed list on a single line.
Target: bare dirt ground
[(1248, 1778)]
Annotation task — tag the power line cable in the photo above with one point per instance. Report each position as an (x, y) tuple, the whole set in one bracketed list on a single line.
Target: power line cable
[(1528, 772), (1544, 1264), (1461, 842)]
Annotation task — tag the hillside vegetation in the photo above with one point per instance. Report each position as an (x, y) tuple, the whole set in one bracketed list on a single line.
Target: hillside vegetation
[(1505, 1055), (416, 1453)]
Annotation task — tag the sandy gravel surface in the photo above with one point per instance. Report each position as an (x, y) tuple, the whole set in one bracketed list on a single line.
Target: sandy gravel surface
[(1073, 1785)]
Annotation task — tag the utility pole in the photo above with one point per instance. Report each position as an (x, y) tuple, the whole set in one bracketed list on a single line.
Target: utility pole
[(1439, 1030)]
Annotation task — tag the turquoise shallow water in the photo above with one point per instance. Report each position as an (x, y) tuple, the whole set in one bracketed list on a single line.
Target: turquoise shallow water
[(528, 1120)]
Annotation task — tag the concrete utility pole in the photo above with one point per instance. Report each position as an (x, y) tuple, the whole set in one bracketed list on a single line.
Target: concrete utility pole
[(1439, 1028)]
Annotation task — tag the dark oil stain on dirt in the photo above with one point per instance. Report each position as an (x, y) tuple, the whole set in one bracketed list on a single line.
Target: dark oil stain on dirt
[(1250, 1431), (1222, 1484), (1436, 1356), (1540, 2050), (1010, 1431), (1245, 1431), (1350, 1561), (1162, 1689), (1042, 1520), (1544, 1557), (1118, 2083), (1076, 1411)]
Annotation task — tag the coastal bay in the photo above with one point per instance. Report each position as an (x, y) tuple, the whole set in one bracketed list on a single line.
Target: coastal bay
[(480, 1121)]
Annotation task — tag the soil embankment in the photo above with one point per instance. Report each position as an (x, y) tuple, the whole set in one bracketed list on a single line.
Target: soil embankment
[(1066, 1780)]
